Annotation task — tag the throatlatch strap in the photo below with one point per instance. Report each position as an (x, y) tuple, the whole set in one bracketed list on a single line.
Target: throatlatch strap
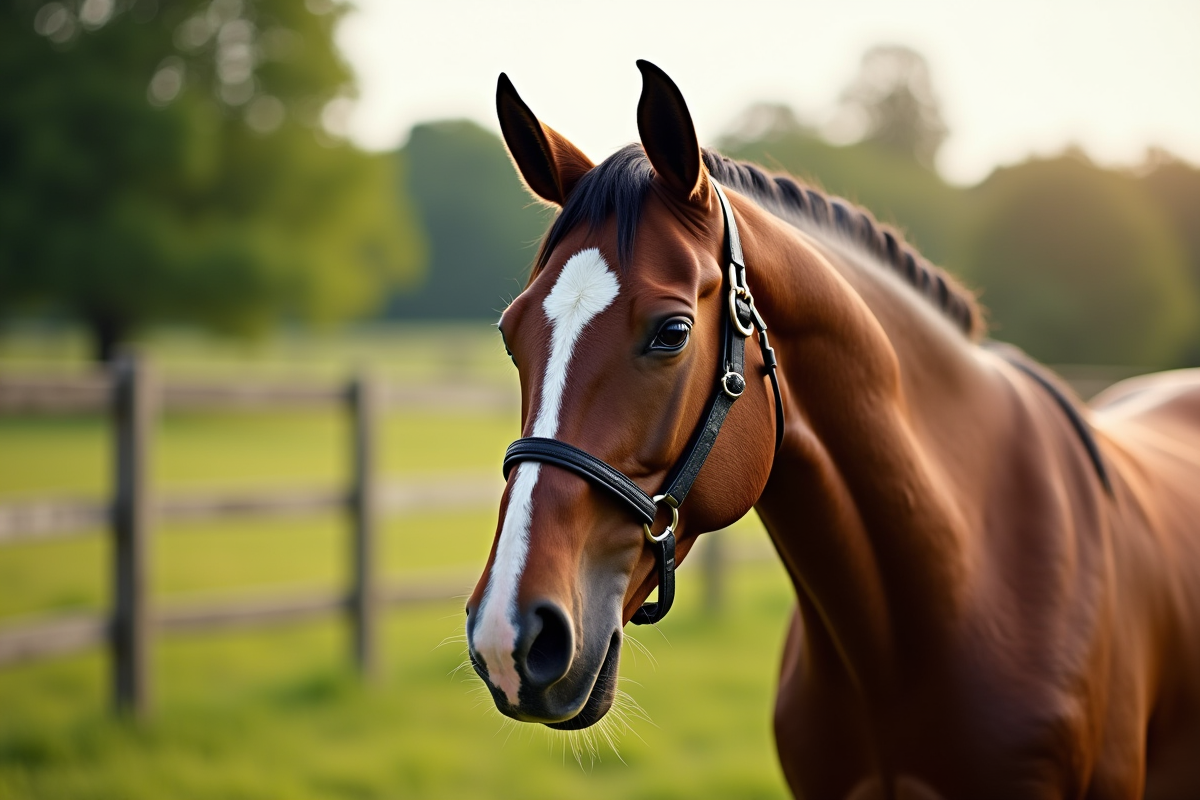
[(748, 313), (732, 363)]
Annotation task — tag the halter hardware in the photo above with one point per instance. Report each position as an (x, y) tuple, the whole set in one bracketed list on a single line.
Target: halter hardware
[(670, 529), (738, 291), (742, 322)]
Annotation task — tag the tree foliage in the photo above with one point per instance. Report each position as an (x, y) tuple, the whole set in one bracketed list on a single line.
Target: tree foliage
[(892, 102), (171, 162), (481, 224), (1078, 266), (1174, 186), (1075, 263), (895, 189)]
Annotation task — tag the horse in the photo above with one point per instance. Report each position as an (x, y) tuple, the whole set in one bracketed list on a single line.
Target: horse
[(997, 588)]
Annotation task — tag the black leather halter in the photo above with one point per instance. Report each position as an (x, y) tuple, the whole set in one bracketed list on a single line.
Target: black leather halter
[(741, 321)]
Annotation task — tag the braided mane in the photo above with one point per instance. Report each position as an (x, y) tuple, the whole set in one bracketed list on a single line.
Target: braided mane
[(788, 199), (619, 184)]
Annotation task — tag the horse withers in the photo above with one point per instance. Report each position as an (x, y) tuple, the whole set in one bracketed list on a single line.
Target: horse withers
[(997, 590)]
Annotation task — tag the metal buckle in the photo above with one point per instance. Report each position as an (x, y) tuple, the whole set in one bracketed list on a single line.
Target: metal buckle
[(674, 506), (734, 384), (737, 290)]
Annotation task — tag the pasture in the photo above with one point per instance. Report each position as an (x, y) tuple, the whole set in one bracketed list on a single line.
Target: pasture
[(276, 712)]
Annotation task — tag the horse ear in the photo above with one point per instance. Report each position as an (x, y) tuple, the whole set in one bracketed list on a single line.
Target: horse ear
[(550, 165), (667, 132)]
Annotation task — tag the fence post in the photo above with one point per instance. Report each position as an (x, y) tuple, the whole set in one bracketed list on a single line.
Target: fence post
[(134, 410), (364, 591), (714, 571)]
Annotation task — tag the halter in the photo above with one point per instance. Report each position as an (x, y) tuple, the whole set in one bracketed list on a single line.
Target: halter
[(743, 320)]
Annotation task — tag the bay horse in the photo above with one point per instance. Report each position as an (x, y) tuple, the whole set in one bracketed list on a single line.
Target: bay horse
[(997, 589)]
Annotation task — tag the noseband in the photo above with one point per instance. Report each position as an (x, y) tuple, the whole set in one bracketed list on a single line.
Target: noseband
[(741, 321)]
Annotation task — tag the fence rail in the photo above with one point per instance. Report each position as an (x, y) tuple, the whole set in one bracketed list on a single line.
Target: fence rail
[(131, 394), (60, 518), (134, 398), (67, 394), (42, 637)]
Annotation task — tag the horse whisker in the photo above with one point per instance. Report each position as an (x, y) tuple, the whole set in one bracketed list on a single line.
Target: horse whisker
[(460, 638), (638, 647)]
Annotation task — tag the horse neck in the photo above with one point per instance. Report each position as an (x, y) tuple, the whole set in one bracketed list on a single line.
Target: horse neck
[(864, 500)]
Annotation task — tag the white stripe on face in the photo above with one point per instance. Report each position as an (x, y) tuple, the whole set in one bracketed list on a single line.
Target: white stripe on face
[(585, 287)]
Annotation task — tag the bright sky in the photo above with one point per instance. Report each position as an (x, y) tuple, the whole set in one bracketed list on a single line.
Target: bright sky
[(1014, 77)]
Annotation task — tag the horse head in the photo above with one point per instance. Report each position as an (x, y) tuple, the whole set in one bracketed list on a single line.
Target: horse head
[(619, 337)]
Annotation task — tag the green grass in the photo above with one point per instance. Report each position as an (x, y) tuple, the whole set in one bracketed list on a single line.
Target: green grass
[(275, 712)]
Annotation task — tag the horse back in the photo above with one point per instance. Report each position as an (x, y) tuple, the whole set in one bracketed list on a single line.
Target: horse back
[(1151, 426)]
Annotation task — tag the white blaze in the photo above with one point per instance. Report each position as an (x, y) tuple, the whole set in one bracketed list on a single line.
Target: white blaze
[(585, 287)]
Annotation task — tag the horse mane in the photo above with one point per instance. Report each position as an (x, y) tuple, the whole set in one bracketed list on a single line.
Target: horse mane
[(619, 184)]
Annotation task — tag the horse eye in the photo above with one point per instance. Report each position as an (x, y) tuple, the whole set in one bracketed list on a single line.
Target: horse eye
[(672, 336)]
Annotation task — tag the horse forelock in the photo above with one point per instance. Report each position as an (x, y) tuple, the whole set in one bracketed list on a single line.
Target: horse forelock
[(618, 186)]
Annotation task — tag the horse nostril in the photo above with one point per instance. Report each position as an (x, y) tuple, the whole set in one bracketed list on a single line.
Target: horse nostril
[(549, 655)]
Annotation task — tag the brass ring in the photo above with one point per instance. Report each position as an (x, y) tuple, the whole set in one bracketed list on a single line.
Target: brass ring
[(736, 291), (650, 537)]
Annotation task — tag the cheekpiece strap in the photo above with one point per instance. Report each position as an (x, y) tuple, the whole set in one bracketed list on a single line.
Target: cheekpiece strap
[(745, 315), (731, 381)]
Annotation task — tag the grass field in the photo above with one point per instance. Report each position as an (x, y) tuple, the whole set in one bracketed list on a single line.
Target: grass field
[(276, 712)]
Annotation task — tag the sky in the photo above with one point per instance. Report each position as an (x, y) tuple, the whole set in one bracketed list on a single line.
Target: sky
[(1015, 79)]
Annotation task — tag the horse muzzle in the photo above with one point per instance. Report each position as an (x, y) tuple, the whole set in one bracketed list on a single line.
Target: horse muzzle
[(562, 682)]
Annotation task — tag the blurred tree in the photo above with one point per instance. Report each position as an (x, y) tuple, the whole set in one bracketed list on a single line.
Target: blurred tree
[(766, 122), (482, 225), (1175, 187), (891, 103), (895, 188), (1078, 266), (179, 162)]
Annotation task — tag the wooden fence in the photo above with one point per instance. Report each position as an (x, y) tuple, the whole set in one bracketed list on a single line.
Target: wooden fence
[(132, 394), (134, 397)]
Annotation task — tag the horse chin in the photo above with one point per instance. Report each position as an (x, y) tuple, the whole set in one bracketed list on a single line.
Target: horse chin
[(604, 691)]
